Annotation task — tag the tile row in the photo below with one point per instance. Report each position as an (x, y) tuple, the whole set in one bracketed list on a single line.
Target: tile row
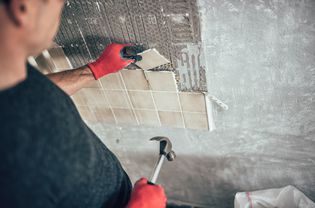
[(144, 117), (144, 100), (139, 80)]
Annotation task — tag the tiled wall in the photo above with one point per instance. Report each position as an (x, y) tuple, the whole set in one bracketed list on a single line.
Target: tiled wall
[(134, 97), (142, 98)]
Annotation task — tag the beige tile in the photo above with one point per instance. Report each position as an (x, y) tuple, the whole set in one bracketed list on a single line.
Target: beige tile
[(76, 98), (148, 118), (141, 99), (196, 120), (117, 99), (193, 102), (43, 64), (59, 58), (112, 82), (92, 97), (171, 119), (150, 59), (166, 101), (94, 84), (125, 116), (161, 81), (135, 80), (104, 115), (86, 114)]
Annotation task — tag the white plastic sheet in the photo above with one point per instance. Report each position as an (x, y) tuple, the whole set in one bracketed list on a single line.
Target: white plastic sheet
[(287, 197)]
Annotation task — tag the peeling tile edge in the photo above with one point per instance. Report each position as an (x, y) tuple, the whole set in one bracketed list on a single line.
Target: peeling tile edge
[(209, 112)]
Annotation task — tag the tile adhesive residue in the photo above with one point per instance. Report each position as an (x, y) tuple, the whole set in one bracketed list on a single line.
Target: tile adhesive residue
[(170, 26)]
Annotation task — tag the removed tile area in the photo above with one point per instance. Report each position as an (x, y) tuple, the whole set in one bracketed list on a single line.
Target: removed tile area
[(151, 59)]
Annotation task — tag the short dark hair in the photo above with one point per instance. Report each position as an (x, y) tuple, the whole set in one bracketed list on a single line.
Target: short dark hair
[(5, 1)]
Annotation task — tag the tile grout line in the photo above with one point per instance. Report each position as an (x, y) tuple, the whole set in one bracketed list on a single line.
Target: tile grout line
[(159, 91), (110, 106), (151, 92), (181, 110), (179, 102), (129, 100), (148, 109)]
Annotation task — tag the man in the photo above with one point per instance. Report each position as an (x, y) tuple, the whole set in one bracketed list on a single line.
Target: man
[(48, 156)]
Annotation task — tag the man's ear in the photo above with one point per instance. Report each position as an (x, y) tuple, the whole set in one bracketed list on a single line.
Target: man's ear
[(17, 10)]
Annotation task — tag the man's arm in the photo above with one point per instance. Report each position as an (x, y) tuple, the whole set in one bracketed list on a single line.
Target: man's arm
[(110, 61), (73, 80)]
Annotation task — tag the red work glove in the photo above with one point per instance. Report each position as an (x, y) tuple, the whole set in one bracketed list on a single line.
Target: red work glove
[(110, 61), (145, 195)]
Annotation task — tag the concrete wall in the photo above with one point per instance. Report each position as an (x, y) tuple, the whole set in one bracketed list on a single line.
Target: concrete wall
[(260, 59)]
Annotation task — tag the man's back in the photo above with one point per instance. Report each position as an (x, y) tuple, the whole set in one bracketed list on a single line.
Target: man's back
[(49, 157)]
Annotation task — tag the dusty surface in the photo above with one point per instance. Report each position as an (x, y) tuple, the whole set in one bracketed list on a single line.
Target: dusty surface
[(170, 26)]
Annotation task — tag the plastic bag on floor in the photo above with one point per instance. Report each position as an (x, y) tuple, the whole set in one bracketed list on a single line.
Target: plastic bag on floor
[(287, 197)]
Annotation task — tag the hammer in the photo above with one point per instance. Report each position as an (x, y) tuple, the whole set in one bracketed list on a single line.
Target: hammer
[(165, 152)]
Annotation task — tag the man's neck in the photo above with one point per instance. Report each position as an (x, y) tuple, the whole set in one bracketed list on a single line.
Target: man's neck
[(12, 63)]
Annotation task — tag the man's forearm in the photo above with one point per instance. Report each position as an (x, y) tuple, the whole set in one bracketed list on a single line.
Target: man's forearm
[(73, 80)]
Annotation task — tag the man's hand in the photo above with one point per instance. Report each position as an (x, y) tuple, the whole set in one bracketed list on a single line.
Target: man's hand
[(145, 195), (110, 61)]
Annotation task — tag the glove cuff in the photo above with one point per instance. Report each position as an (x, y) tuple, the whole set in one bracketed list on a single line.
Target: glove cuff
[(95, 71)]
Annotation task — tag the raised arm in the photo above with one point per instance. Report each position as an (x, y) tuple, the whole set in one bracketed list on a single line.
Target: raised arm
[(110, 61), (73, 80)]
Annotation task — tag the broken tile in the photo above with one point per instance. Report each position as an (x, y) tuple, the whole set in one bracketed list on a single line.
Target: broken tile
[(92, 97), (117, 99), (124, 116), (166, 101), (86, 114), (146, 117), (161, 81), (59, 59), (135, 80), (112, 82), (193, 102), (151, 59), (104, 115), (171, 119), (141, 99), (196, 120)]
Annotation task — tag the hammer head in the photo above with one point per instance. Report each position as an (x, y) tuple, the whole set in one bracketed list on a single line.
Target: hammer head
[(165, 147)]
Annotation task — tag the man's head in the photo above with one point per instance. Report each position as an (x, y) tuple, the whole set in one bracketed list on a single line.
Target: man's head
[(32, 23)]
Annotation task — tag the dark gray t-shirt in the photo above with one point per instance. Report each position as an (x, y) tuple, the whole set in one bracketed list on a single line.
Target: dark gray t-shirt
[(48, 155)]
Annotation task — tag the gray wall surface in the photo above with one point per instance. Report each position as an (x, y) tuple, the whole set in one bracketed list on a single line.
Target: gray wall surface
[(260, 60)]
